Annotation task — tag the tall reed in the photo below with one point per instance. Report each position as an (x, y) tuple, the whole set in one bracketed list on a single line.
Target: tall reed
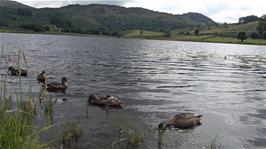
[(17, 128)]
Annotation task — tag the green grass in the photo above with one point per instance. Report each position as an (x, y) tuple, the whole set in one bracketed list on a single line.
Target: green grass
[(210, 37), (131, 132), (72, 131), (215, 144), (226, 38), (217, 39), (235, 40), (143, 33), (17, 128)]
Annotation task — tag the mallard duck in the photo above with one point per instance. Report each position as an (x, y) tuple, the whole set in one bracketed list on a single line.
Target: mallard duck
[(182, 121), (57, 87), (41, 77), (108, 100), (17, 71)]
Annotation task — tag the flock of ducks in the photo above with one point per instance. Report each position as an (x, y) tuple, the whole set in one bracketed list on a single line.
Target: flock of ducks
[(181, 121)]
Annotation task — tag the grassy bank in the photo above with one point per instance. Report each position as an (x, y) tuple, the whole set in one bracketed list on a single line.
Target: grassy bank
[(138, 34), (218, 39), (196, 38)]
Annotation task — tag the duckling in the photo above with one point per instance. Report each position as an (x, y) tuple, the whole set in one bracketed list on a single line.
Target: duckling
[(57, 87), (182, 121), (41, 77), (17, 71), (108, 100)]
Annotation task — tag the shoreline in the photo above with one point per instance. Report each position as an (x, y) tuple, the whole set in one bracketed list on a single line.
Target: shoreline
[(177, 38)]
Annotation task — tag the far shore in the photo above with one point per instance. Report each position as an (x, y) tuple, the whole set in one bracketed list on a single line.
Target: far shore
[(191, 38)]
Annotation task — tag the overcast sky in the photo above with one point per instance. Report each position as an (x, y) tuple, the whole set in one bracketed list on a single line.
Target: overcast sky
[(218, 10)]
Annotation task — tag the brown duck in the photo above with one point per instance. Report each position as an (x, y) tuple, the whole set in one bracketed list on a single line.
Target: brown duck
[(17, 71), (182, 121), (57, 87), (102, 101), (41, 77)]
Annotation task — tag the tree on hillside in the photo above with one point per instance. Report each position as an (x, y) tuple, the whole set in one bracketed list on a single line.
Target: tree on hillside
[(242, 36), (225, 25), (3, 23), (46, 28), (264, 35), (24, 12), (167, 33), (61, 22), (196, 32), (262, 24)]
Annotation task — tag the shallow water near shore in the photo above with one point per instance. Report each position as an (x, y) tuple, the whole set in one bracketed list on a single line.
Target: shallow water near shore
[(154, 80)]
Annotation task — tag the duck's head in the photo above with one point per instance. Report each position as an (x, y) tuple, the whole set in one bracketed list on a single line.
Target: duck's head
[(162, 126), (64, 81), (11, 68), (92, 98), (43, 72)]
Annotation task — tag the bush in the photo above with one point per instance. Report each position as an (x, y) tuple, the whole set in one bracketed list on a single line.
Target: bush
[(33, 27), (254, 35), (167, 33)]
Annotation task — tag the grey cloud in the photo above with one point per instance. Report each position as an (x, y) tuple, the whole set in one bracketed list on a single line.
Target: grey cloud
[(214, 9), (110, 2)]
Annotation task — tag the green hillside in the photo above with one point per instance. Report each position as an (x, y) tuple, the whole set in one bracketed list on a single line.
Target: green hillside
[(231, 29), (13, 4), (95, 19)]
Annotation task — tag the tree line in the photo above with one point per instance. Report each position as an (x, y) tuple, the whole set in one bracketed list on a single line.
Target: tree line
[(261, 31)]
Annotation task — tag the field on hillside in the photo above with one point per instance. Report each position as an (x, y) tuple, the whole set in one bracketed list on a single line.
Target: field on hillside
[(144, 33), (231, 29)]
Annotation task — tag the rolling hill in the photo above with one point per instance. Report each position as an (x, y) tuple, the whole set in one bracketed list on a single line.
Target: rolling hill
[(95, 19)]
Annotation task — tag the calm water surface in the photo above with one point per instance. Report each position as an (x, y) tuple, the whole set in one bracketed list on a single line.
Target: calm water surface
[(155, 80)]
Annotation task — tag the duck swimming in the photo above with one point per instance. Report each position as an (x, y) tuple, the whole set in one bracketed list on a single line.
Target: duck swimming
[(41, 77), (17, 71), (57, 87), (102, 101), (182, 121)]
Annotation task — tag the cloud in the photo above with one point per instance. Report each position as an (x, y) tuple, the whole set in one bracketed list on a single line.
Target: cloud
[(60, 3), (218, 10)]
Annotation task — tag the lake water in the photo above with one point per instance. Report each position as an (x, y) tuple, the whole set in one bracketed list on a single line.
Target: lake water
[(155, 80)]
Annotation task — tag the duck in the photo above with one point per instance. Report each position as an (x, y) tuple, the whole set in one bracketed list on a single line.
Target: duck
[(17, 71), (102, 101), (57, 87), (41, 77), (182, 121)]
